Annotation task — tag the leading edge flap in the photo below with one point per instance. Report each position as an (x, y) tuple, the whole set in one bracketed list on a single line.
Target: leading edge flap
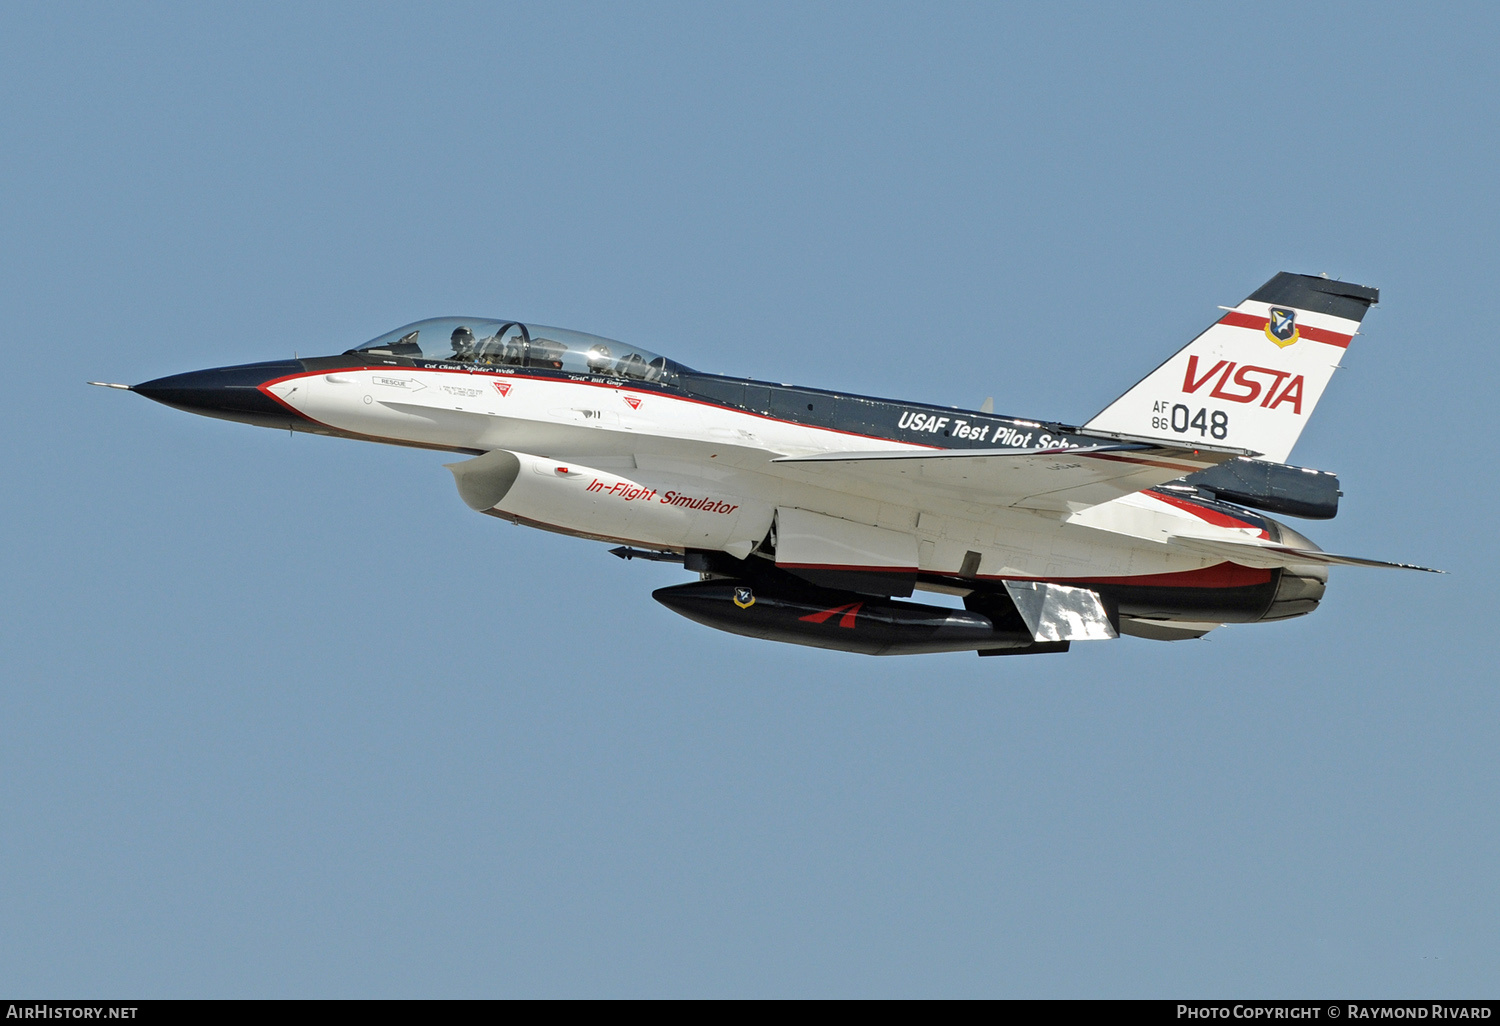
[(1061, 481)]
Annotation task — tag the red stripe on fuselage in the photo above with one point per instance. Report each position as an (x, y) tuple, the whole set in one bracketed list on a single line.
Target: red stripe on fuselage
[(1186, 468), (1221, 575), (265, 388), (1208, 516)]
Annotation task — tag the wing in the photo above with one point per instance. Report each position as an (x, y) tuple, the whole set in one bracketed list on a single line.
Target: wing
[(1055, 480)]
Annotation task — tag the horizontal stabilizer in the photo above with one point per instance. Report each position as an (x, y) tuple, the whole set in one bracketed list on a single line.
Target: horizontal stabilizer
[(1054, 480), (1259, 552)]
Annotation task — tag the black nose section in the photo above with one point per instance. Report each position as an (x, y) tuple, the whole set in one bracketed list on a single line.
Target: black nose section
[(231, 393)]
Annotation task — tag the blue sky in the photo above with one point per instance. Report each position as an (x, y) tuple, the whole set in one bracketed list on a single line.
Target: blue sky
[(282, 717)]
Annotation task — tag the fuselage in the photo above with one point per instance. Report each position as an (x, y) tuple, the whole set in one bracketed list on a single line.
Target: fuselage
[(672, 460)]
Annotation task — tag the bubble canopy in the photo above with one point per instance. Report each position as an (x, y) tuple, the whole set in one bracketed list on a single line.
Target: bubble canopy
[(492, 343)]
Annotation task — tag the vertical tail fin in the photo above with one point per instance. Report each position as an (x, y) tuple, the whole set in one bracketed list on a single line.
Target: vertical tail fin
[(1253, 378)]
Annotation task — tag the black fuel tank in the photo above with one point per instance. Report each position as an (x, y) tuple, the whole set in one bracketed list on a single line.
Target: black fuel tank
[(842, 620)]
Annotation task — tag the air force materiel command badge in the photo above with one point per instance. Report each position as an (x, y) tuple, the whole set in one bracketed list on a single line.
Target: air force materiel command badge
[(1281, 327), (744, 597)]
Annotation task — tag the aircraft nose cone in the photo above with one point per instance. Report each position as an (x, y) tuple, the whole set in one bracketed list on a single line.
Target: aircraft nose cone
[(231, 393)]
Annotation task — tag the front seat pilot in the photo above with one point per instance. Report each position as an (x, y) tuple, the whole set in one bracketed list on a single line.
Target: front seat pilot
[(463, 343)]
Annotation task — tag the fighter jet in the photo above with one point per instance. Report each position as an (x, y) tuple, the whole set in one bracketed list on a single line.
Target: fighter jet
[(811, 516)]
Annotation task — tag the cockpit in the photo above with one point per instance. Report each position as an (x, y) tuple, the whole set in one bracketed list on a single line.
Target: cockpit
[(474, 341)]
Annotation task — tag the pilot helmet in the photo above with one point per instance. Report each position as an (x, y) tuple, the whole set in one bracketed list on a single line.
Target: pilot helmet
[(462, 336), (599, 359)]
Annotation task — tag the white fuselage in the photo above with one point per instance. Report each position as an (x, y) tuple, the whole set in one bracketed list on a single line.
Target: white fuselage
[(670, 471)]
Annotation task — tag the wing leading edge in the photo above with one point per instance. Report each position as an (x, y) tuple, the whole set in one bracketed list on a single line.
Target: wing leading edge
[(1050, 480)]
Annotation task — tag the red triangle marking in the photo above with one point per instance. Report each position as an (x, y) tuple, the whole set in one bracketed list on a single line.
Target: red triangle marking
[(502, 387), (850, 611), (847, 620)]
